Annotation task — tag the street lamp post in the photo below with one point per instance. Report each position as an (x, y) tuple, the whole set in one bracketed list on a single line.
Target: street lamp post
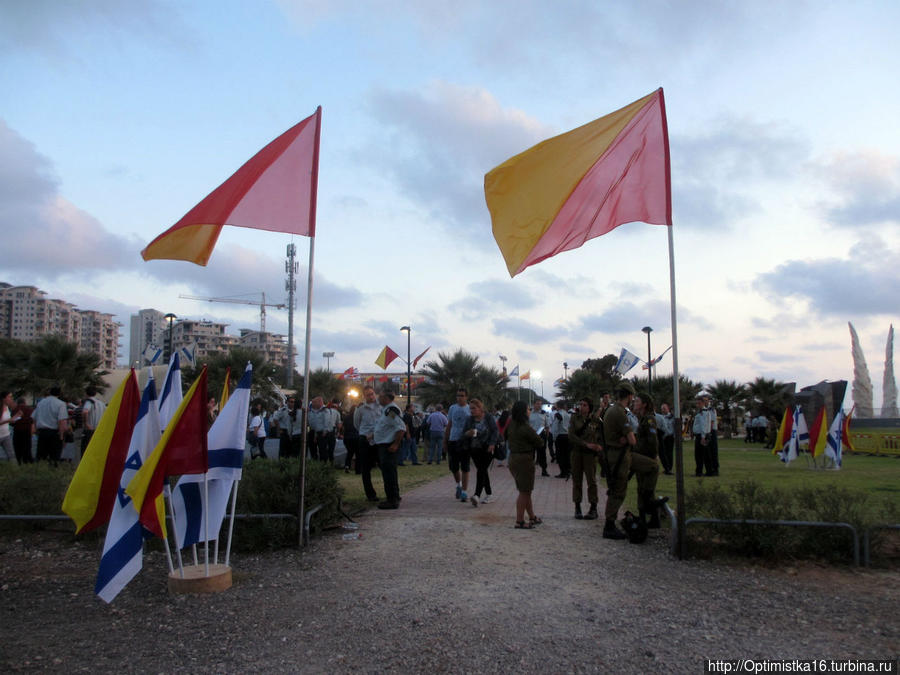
[(170, 318), (648, 330), (503, 361), (565, 370), (328, 356), (408, 331)]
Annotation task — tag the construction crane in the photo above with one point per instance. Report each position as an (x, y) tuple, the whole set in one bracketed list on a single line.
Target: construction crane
[(242, 301)]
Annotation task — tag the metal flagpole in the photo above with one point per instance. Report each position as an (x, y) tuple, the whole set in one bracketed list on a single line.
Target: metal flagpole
[(314, 183), (234, 488), (679, 450), (206, 523), (309, 290), (168, 499)]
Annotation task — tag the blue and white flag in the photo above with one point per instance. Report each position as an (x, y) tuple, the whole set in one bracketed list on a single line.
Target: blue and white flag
[(514, 372), (834, 444), (226, 458), (171, 394), (799, 436), (188, 355), (123, 550), (626, 362), (152, 353)]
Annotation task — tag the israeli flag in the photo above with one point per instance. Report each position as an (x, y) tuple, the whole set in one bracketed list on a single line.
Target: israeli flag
[(626, 362), (171, 395), (226, 459), (189, 355), (834, 447), (514, 372), (123, 549), (152, 353)]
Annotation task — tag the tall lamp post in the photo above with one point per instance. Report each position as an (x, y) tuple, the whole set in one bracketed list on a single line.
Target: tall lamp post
[(328, 356), (537, 375), (170, 318), (503, 361), (408, 331), (565, 371), (648, 330)]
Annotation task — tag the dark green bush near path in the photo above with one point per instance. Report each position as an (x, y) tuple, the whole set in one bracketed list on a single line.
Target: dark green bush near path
[(270, 486), (749, 500)]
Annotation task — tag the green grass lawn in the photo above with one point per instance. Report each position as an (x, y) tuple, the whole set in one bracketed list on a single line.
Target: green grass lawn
[(879, 477), (408, 475)]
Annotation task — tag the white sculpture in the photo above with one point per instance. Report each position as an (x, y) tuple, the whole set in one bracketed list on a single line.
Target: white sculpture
[(862, 383), (889, 386)]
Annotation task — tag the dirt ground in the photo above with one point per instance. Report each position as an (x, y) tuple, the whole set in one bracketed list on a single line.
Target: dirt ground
[(439, 586)]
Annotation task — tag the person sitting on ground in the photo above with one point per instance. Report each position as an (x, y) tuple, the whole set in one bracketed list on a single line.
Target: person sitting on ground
[(523, 443)]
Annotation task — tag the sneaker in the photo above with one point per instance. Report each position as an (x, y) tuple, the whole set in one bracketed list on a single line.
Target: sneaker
[(459, 492), (487, 499), (387, 505), (474, 500), (463, 497)]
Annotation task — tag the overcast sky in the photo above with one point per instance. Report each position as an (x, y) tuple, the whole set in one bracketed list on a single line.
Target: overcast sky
[(117, 117)]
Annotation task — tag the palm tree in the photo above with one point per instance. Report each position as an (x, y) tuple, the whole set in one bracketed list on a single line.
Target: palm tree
[(236, 359), (768, 396), (461, 369), (728, 394), (582, 383), (663, 391), (52, 361)]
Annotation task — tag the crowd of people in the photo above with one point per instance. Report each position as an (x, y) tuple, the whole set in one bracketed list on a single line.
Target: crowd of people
[(40, 433)]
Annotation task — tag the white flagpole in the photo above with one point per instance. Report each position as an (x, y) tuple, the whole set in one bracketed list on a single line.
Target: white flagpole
[(679, 450), (309, 292), (206, 524), (313, 188), (168, 498), (234, 488)]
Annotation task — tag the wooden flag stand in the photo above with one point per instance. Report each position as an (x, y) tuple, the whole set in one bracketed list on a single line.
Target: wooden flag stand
[(196, 580)]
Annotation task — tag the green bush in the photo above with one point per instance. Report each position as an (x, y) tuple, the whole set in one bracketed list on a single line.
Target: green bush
[(748, 500), (274, 487), (33, 489), (267, 487)]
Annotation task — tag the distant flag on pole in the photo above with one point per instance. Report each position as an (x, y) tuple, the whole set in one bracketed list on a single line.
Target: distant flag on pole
[(92, 492), (226, 388), (845, 434), (170, 396), (648, 366), (818, 434), (419, 357), (189, 354), (385, 358), (152, 353), (275, 191), (579, 185), (835, 439), (784, 432), (514, 372), (349, 373), (525, 376), (182, 449), (123, 549), (559, 382), (225, 440), (626, 362)]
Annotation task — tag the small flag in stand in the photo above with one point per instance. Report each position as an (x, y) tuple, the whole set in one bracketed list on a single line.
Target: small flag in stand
[(182, 449), (92, 492)]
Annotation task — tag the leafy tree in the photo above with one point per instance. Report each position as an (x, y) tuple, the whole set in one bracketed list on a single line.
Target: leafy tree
[(322, 382), (582, 382), (461, 369), (664, 389), (237, 358), (34, 367), (768, 396), (728, 395)]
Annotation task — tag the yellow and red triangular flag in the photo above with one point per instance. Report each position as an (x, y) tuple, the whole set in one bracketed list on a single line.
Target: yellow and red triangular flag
[(182, 449), (818, 434), (579, 185), (385, 357), (275, 190)]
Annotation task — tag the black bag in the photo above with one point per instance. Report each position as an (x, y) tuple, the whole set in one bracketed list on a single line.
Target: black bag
[(635, 528), (500, 451)]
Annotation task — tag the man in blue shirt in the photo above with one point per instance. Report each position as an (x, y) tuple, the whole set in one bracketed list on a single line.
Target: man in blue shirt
[(454, 447), (389, 431)]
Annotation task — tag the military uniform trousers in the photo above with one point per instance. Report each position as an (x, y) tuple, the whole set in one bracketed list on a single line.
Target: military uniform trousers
[(584, 464)]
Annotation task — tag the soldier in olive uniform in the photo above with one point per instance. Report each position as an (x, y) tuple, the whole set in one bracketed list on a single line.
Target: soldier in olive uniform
[(644, 462), (619, 438), (585, 442)]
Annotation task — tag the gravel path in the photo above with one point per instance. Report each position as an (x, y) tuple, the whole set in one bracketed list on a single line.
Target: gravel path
[(444, 588)]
